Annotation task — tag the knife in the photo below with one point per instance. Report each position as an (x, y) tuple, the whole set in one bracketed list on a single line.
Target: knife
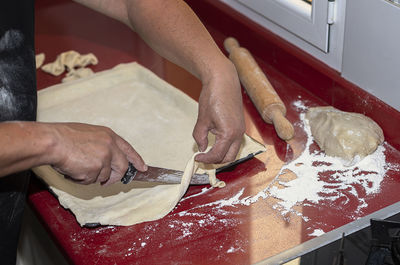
[(170, 176), (163, 175)]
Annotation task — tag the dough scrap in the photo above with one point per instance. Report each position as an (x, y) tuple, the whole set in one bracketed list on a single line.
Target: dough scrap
[(350, 136), (156, 118), (76, 74), (69, 61), (39, 58)]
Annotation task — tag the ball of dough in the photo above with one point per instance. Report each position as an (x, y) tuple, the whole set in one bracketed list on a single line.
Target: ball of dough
[(348, 135)]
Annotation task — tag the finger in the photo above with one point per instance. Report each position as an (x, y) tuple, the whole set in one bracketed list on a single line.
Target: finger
[(104, 174), (232, 152), (216, 154), (114, 178), (83, 179), (200, 135), (62, 172), (119, 166), (131, 154)]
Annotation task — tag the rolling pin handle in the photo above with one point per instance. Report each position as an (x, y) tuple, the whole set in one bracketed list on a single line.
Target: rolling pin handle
[(283, 127), (230, 44)]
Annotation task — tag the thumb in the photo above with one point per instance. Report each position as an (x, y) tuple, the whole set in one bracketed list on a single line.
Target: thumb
[(200, 135)]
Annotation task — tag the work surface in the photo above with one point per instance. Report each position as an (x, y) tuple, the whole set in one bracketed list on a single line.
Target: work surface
[(208, 225)]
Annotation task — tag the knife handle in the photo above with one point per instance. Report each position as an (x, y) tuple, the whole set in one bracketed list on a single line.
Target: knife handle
[(129, 174)]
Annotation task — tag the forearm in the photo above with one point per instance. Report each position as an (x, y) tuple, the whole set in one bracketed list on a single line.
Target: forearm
[(24, 145), (86, 153), (172, 29)]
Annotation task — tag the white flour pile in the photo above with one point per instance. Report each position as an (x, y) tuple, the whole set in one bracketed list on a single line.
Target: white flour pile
[(310, 186), (324, 178)]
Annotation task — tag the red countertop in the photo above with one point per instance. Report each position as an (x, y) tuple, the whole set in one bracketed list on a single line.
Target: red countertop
[(198, 230)]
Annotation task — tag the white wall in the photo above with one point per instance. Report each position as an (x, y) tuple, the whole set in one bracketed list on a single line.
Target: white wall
[(371, 53)]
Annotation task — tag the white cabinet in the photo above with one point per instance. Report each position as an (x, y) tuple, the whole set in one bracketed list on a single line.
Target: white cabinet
[(307, 20), (315, 26)]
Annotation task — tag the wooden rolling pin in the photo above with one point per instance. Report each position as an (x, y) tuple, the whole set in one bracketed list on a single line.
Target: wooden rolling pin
[(260, 90)]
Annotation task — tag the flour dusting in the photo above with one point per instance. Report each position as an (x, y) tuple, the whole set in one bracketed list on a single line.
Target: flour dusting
[(319, 178), (315, 179), (203, 190), (233, 249), (299, 105), (317, 232)]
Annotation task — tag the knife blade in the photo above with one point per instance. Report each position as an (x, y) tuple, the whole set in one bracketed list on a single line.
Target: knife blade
[(162, 175)]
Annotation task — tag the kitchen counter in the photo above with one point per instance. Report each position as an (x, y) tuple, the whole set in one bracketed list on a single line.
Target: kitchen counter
[(215, 225)]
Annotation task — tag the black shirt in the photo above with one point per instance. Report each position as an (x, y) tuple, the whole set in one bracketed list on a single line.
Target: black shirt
[(17, 102)]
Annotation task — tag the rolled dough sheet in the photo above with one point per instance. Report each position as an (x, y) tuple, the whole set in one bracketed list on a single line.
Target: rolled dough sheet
[(156, 118)]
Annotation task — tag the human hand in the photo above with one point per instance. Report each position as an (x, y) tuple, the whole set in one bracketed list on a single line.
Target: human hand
[(221, 113), (88, 153)]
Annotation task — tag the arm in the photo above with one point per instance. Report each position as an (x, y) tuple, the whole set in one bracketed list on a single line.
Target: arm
[(172, 29), (86, 153)]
